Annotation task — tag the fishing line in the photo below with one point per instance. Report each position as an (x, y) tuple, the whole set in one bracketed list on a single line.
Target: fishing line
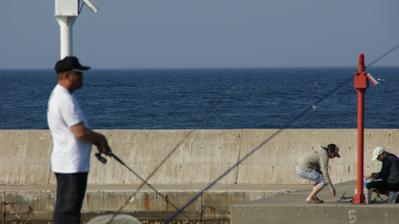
[(383, 56), (120, 161), (294, 119), (211, 108)]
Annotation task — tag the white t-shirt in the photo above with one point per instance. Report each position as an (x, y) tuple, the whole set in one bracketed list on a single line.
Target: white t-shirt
[(69, 155)]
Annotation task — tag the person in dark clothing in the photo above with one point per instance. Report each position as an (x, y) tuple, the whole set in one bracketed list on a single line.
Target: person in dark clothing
[(387, 180)]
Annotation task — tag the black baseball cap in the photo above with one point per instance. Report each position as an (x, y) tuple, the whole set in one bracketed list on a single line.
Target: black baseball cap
[(69, 63), (333, 148)]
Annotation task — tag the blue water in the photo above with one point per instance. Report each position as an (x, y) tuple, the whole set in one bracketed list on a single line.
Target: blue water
[(206, 98)]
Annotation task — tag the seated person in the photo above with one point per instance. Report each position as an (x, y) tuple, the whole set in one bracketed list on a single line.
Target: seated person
[(389, 174)]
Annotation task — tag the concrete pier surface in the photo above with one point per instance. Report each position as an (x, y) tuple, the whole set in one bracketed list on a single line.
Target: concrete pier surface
[(35, 203), (292, 208)]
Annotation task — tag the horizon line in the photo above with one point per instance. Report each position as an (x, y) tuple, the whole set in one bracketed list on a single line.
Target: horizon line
[(207, 68)]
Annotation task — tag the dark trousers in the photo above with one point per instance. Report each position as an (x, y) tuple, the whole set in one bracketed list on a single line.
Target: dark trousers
[(382, 186), (71, 190)]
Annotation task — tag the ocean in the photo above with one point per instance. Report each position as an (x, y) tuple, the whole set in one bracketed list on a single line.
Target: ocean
[(207, 98)]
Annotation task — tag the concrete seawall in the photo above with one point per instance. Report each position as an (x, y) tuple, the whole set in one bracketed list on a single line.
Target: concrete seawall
[(28, 186), (200, 158)]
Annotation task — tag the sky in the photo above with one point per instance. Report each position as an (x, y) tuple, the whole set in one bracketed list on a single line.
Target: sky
[(203, 33)]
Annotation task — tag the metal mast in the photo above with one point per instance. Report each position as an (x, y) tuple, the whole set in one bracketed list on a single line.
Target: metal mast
[(66, 12)]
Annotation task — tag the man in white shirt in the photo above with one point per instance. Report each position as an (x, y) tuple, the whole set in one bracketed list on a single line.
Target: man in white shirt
[(72, 140)]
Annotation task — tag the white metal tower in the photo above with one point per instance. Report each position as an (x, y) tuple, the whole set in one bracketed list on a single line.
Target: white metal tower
[(66, 12)]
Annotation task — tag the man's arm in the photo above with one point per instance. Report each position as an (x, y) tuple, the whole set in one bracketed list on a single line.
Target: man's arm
[(83, 133), (382, 173), (324, 164)]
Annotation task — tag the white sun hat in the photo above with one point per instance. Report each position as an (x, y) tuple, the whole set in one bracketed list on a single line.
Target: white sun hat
[(376, 152)]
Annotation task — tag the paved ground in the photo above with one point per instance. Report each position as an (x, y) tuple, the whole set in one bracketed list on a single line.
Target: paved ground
[(275, 204), (35, 202), (343, 189), (174, 187), (292, 208)]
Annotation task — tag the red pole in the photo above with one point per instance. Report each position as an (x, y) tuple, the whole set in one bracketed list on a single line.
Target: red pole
[(361, 86)]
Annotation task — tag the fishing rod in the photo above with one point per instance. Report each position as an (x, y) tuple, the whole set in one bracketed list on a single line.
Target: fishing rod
[(103, 160), (171, 217), (144, 182), (205, 116)]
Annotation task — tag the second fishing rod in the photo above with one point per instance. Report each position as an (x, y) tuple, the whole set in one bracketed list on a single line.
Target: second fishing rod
[(109, 153)]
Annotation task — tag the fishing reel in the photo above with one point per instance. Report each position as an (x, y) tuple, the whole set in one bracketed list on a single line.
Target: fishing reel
[(101, 158)]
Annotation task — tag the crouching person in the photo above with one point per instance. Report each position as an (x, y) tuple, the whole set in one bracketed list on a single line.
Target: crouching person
[(313, 166)]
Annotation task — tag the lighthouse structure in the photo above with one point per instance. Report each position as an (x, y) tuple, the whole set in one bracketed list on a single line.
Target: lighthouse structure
[(66, 12)]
